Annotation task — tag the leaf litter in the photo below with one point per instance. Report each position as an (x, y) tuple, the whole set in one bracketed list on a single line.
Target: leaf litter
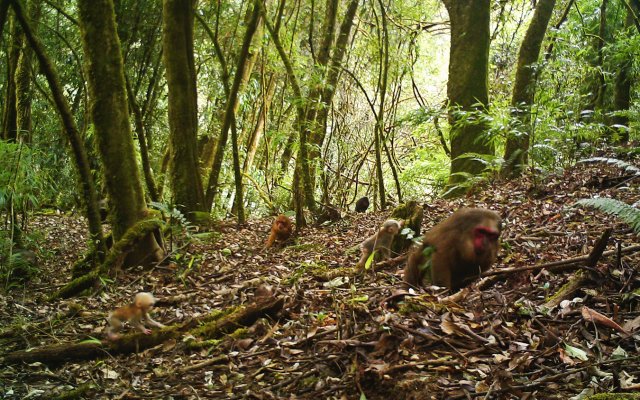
[(341, 335)]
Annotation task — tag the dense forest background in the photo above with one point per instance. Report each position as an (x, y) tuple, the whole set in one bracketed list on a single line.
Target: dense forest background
[(220, 97), (168, 134)]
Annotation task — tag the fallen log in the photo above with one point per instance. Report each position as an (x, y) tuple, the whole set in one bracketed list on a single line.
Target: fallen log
[(211, 325)]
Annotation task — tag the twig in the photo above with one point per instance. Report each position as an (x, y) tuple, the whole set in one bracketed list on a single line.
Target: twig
[(558, 264)]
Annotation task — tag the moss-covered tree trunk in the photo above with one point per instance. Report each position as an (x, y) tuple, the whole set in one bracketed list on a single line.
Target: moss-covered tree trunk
[(467, 86), (85, 177), (110, 116), (622, 91), (517, 146), (328, 65), (24, 92), (177, 38), (4, 10), (245, 63), (598, 85), (9, 112)]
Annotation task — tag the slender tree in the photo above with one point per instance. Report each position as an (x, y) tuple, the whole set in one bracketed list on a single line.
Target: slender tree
[(244, 60), (70, 129), (517, 146), (10, 112), (622, 89)]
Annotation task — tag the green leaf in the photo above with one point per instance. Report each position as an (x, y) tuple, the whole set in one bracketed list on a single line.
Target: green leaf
[(367, 265), (576, 352)]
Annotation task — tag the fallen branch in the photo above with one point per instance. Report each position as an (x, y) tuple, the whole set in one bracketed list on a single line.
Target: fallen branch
[(210, 326), (580, 278), (559, 265), (392, 262)]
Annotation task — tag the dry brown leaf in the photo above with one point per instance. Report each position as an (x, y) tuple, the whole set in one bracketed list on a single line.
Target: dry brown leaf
[(590, 315)]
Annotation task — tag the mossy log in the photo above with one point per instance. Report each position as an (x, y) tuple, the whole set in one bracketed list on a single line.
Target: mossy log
[(115, 259), (209, 326), (411, 214)]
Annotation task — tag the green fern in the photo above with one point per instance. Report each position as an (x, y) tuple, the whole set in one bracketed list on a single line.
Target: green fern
[(627, 213), (614, 161)]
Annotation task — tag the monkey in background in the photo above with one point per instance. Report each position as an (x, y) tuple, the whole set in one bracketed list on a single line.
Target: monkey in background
[(380, 242), (362, 204), (458, 249), (135, 313), (280, 230)]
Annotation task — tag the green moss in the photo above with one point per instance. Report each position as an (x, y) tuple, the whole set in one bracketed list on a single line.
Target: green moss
[(421, 304), (77, 393), (205, 344), (614, 396)]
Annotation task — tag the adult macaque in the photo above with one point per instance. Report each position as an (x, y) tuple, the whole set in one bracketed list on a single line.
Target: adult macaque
[(380, 242), (362, 204), (135, 313), (280, 230), (458, 249)]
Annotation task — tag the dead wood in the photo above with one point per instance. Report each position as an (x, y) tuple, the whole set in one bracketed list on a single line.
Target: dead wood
[(581, 277), (209, 326), (571, 263)]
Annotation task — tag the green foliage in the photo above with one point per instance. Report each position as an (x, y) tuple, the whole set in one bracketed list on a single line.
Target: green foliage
[(22, 182), (627, 213), (614, 161)]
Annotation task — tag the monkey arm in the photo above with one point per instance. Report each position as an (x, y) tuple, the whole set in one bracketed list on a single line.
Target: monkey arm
[(136, 321), (151, 322)]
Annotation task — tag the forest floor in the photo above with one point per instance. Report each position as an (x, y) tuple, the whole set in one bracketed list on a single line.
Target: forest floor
[(352, 336)]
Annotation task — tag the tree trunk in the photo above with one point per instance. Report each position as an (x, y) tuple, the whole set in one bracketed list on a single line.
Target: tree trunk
[(9, 114), (258, 131), (4, 8), (142, 142), (177, 38), (383, 77), (467, 87), (109, 112), (70, 129), (245, 64), (517, 146), (622, 91), (598, 85), (24, 91)]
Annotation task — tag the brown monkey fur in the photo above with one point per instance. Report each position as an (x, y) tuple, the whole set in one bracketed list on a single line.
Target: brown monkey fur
[(465, 244), (280, 230), (135, 313), (381, 242)]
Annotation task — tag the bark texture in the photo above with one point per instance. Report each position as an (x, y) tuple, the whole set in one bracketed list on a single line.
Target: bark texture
[(467, 87), (517, 146), (177, 37)]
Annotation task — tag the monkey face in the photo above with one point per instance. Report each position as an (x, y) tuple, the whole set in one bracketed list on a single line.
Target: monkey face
[(483, 237)]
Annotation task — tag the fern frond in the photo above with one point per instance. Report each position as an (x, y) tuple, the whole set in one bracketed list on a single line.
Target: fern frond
[(613, 161), (625, 212)]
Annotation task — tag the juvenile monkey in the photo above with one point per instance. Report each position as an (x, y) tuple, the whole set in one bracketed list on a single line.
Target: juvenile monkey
[(280, 230), (134, 313), (380, 242), (362, 204), (458, 248)]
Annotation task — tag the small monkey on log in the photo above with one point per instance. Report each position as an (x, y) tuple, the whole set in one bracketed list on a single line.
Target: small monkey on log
[(457, 250), (380, 242), (135, 313), (362, 204), (280, 230)]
